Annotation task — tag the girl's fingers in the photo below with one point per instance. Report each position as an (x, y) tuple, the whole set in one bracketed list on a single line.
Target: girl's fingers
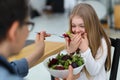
[(56, 79), (77, 36), (77, 39), (67, 41), (73, 36), (85, 36)]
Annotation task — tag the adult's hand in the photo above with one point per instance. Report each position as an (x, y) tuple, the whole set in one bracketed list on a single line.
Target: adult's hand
[(39, 48)]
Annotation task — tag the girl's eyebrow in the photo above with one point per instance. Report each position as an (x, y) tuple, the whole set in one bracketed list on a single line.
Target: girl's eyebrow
[(81, 23)]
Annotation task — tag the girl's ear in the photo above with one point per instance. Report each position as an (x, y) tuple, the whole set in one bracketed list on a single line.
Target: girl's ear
[(12, 31)]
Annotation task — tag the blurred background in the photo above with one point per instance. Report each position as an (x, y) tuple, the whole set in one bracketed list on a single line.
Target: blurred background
[(52, 16)]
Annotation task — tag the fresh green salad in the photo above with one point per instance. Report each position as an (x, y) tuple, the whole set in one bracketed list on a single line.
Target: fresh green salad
[(62, 62)]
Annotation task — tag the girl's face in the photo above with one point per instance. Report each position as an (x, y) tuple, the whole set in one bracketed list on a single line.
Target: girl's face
[(77, 25)]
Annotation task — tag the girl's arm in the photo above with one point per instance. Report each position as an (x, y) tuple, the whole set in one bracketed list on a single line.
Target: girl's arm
[(92, 65)]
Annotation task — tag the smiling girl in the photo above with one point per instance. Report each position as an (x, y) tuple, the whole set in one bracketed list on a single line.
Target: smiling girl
[(90, 41)]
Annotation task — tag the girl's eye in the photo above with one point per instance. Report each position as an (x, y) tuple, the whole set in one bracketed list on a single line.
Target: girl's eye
[(73, 26), (82, 26)]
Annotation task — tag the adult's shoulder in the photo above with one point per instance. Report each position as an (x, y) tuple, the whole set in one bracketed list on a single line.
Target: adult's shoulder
[(5, 75)]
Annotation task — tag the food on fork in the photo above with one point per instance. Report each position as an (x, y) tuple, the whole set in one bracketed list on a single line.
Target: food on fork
[(67, 34)]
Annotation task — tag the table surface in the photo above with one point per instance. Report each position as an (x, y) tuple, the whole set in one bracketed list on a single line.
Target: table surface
[(51, 48)]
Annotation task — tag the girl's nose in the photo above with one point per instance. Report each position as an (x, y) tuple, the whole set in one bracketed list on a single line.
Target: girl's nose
[(78, 30)]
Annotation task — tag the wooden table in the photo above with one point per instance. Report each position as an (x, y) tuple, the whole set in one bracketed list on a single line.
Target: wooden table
[(51, 48)]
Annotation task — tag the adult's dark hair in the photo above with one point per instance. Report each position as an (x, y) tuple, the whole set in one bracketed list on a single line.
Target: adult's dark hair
[(10, 11)]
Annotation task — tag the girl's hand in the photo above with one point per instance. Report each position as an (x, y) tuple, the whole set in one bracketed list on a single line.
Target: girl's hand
[(70, 75), (73, 45), (84, 43)]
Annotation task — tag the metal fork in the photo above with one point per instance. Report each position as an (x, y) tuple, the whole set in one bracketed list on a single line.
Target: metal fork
[(61, 36)]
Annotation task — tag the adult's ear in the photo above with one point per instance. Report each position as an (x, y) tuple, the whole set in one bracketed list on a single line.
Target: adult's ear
[(13, 31)]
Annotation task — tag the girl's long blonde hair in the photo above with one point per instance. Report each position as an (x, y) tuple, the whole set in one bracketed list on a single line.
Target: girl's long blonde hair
[(93, 29)]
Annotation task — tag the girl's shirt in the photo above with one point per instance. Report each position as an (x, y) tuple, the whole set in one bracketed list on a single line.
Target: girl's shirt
[(95, 67)]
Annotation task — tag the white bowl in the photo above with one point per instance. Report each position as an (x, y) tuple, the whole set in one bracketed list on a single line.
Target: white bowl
[(60, 73)]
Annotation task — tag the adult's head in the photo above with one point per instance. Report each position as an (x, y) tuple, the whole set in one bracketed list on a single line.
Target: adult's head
[(13, 24)]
